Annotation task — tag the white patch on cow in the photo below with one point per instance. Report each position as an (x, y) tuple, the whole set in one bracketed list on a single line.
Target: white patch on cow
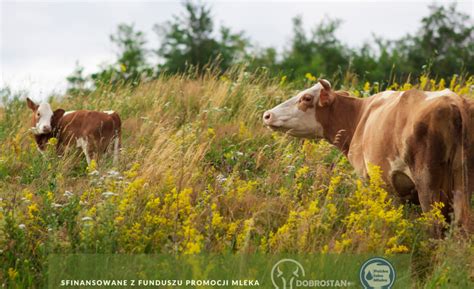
[(430, 95), (399, 165), (116, 149), (386, 94), (109, 111), (401, 93), (83, 144), (69, 112), (43, 123)]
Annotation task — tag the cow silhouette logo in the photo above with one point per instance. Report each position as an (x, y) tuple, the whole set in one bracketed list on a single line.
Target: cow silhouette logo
[(285, 273), (377, 273)]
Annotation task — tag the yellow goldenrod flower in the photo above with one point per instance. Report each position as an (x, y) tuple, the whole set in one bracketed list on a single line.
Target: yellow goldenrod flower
[(310, 77)]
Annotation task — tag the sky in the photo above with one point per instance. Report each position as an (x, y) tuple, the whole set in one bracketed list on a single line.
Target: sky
[(41, 41)]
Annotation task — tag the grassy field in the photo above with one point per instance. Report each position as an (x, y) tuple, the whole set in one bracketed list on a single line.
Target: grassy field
[(199, 173)]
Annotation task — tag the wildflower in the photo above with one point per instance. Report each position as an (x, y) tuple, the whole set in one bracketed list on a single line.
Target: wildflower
[(33, 210), (68, 194), (394, 86), (397, 249), (86, 219), (113, 173), (22, 226), (452, 83), (221, 178), (244, 131), (27, 201), (94, 173), (301, 172), (108, 194), (52, 141), (92, 168), (211, 133), (133, 171), (376, 87), (442, 84), (423, 82), (28, 196), (366, 86), (406, 86), (12, 273), (310, 77)]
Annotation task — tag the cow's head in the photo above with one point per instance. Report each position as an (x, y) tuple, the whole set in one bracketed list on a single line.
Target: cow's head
[(44, 120), (297, 116)]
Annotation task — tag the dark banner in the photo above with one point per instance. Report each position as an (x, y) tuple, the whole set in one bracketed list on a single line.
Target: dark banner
[(228, 271)]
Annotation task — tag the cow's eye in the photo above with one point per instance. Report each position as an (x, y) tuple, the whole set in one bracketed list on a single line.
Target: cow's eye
[(307, 98), (38, 114)]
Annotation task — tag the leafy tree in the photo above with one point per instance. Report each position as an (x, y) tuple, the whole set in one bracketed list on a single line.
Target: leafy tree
[(319, 52), (131, 64), (131, 51), (77, 81), (188, 40), (445, 42)]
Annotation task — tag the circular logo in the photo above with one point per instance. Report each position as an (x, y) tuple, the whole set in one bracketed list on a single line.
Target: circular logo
[(377, 273), (285, 272)]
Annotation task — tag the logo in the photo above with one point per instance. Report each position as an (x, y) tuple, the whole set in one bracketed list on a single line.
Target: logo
[(377, 273), (285, 273)]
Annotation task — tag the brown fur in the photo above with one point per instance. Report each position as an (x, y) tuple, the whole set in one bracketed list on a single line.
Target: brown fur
[(421, 146), (99, 129)]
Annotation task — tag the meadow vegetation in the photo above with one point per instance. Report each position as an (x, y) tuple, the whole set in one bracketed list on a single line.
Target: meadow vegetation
[(199, 173)]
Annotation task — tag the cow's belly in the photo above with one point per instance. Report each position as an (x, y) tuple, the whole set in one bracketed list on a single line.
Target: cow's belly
[(381, 143)]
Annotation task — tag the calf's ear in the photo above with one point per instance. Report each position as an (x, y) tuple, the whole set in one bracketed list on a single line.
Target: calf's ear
[(31, 104), (326, 95), (57, 114)]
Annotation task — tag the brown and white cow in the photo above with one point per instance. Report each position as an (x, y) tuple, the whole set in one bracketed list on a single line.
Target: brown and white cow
[(419, 139), (92, 131)]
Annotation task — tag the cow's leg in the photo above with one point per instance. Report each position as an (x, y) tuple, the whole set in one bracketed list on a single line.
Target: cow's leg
[(116, 150), (433, 182), (84, 145), (429, 193), (461, 203)]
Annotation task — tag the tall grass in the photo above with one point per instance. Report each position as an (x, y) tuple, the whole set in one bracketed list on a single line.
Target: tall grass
[(199, 173)]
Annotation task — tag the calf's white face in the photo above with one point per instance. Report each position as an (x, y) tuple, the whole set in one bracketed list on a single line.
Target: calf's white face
[(42, 115), (297, 116)]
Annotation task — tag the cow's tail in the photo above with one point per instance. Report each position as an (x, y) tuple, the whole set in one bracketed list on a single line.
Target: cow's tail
[(117, 137)]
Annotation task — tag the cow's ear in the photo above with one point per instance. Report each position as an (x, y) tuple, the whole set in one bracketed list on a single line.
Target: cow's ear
[(326, 95), (57, 115), (31, 104)]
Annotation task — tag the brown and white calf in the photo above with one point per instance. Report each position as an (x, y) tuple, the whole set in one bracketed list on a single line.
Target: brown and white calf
[(92, 131), (421, 140)]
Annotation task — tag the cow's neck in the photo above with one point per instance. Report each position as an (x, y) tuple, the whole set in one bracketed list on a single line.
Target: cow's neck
[(340, 119), (42, 139)]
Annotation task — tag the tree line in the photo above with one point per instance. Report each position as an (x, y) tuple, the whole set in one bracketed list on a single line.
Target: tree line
[(442, 46)]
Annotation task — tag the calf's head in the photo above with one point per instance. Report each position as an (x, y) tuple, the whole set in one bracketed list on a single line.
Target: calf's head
[(297, 116), (44, 119)]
